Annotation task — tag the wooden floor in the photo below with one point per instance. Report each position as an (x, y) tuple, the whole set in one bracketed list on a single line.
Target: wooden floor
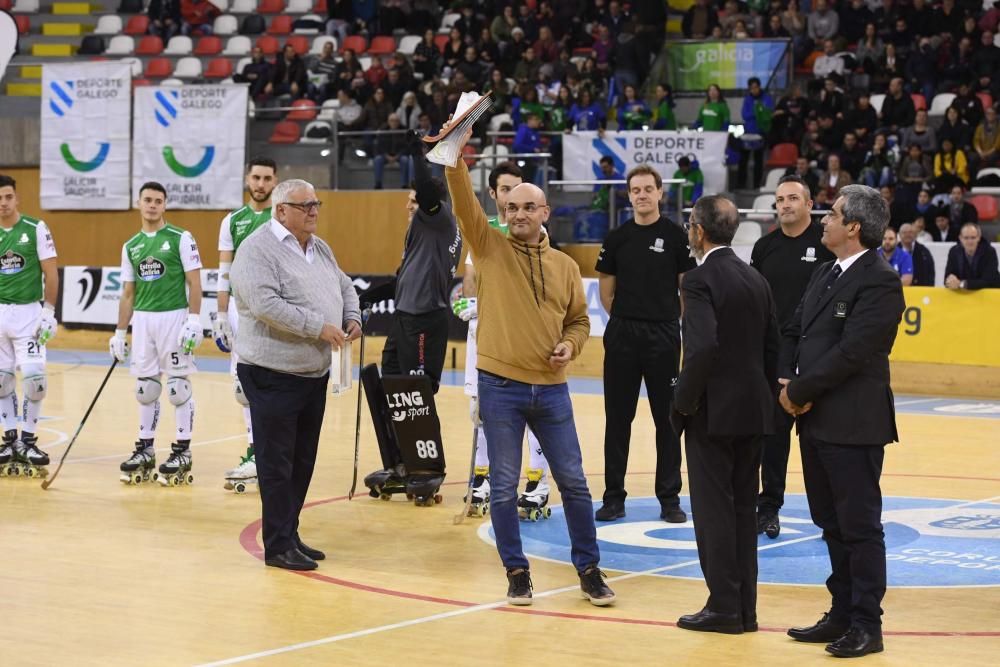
[(99, 573)]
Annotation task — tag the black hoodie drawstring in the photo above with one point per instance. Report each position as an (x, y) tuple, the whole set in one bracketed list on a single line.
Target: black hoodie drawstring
[(531, 272)]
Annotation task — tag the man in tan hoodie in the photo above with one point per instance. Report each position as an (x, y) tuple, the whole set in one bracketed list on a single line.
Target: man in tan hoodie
[(532, 323)]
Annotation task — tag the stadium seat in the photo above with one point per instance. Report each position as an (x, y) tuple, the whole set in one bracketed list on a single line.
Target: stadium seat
[(226, 24), (137, 25), (328, 111), (92, 45), (771, 181), (172, 81), (498, 120), (356, 42), (5, 5), (317, 44), (219, 68), (109, 24), (208, 46), (136, 83), (299, 7), (320, 7), (121, 45), (23, 24), (253, 24), (303, 109), (408, 44), (243, 7), (366, 62), (179, 45), (877, 101), (309, 24), (280, 25), (919, 101), (940, 104), (382, 45), (317, 132), (448, 21), (270, 6), (158, 68), (285, 132), (978, 188), (782, 155), (149, 45), (986, 207), (241, 63), (763, 202), (747, 233), (25, 7), (269, 45), (298, 42), (985, 98), (441, 41), (479, 175), (135, 64), (238, 45), (188, 68)]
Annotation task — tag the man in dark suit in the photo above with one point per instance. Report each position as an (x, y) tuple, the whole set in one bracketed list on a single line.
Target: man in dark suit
[(835, 372), (923, 261), (725, 401)]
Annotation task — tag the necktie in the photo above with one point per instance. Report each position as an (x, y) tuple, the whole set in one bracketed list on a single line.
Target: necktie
[(830, 279)]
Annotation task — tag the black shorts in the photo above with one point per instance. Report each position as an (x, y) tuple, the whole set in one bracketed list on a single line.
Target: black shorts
[(417, 345)]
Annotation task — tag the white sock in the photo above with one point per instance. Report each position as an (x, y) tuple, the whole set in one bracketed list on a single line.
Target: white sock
[(8, 412), (32, 409), (535, 457), (149, 416), (184, 416)]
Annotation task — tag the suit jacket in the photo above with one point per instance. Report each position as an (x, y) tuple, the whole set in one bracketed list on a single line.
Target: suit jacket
[(730, 347), (836, 350), (978, 272)]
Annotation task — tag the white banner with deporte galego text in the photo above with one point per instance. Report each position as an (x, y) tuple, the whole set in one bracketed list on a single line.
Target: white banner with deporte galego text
[(192, 140), (660, 149)]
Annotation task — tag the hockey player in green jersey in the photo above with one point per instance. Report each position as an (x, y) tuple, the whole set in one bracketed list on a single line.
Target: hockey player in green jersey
[(160, 265), (261, 177), (532, 503), (27, 323)]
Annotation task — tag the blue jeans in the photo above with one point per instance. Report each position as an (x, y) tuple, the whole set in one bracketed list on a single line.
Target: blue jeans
[(505, 407), (405, 170)]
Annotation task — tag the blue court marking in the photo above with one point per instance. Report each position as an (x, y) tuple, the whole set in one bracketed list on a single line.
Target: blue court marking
[(930, 542)]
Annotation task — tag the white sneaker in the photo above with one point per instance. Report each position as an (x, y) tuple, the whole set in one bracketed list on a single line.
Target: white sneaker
[(247, 469)]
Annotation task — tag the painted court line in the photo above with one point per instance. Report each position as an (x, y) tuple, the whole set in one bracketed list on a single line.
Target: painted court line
[(162, 450)]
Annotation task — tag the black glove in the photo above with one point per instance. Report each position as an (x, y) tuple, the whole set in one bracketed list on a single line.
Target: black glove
[(429, 190), (414, 144)]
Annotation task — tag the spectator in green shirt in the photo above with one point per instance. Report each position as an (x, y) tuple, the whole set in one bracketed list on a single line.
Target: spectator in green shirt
[(694, 181), (713, 116), (663, 112)]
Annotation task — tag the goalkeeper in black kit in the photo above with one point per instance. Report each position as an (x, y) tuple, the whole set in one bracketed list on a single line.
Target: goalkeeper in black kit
[(418, 338)]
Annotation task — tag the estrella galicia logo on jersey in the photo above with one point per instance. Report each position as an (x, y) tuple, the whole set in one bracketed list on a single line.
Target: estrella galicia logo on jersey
[(929, 542), (151, 269), (11, 263), (184, 170)]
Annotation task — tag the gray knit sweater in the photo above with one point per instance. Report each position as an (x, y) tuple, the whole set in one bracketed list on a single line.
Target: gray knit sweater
[(283, 302)]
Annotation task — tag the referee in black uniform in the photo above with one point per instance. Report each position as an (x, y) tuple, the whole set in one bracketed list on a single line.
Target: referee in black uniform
[(640, 266), (786, 258)]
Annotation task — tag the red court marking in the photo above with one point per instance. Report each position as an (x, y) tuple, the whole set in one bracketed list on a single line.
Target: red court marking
[(248, 540)]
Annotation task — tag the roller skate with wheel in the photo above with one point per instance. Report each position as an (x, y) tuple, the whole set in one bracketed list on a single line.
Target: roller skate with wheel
[(176, 470), (383, 484), (141, 466), (423, 487), (244, 476), (31, 460), (480, 504), (8, 465), (533, 503)]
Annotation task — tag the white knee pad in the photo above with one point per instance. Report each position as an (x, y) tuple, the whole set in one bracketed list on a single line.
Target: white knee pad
[(241, 398), (147, 390), (178, 390), (35, 385), (7, 383)]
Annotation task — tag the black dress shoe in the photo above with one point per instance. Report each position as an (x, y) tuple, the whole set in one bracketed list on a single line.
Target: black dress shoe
[(315, 554), (711, 621), (673, 515), (826, 630), (856, 643), (768, 523), (610, 512), (750, 623), (293, 559)]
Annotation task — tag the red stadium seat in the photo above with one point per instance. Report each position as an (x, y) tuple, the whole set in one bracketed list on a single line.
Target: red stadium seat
[(219, 68), (986, 99), (441, 41), (783, 155), (269, 45), (280, 25), (5, 5), (320, 7), (208, 46), (304, 109), (382, 46), (286, 132), (140, 82), (23, 24), (158, 68), (986, 207), (355, 42), (466, 152), (919, 101), (270, 6), (137, 25), (150, 45), (299, 43)]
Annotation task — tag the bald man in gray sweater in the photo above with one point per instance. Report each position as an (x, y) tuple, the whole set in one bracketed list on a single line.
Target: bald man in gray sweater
[(295, 305)]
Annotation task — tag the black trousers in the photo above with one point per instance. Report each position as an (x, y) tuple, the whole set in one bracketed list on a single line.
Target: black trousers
[(634, 351), (722, 474), (774, 463), (845, 500), (287, 413), (417, 345)]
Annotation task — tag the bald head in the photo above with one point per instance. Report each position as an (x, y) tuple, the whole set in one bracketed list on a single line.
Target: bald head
[(526, 212)]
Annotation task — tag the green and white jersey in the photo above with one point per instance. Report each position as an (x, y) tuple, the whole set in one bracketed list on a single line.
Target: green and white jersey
[(156, 263), (240, 224), (22, 249), (495, 224)]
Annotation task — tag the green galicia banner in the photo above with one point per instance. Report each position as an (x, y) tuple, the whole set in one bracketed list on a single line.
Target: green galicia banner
[(729, 64)]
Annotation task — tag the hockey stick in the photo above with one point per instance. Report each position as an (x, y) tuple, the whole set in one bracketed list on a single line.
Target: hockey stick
[(459, 518), (48, 482), (365, 314)]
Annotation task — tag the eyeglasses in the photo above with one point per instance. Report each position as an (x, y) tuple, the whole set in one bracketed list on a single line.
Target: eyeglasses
[(306, 206)]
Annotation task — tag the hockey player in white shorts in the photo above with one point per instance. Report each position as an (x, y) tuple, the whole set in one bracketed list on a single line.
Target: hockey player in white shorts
[(160, 265)]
